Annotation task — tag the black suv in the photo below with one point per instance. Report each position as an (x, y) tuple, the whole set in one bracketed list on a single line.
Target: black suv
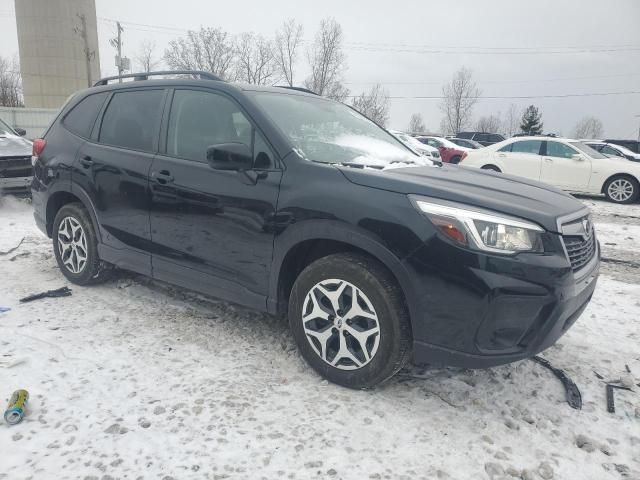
[(286, 202), (483, 138)]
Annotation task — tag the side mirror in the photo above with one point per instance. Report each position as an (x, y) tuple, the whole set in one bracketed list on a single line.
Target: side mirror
[(230, 156), (577, 157), (20, 131)]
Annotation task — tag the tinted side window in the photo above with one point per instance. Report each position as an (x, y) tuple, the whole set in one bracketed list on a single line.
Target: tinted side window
[(81, 118), (495, 138), (506, 148), (482, 137), (465, 135), (559, 150), (607, 150), (201, 119), (527, 146), (132, 119)]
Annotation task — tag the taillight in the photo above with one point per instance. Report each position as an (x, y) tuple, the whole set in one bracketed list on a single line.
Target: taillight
[(38, 148), (463, 156)]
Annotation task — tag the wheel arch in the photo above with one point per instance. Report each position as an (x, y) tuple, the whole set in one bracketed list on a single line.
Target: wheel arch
[(61, 198), (306, 242), (616, 175), (491, 166)]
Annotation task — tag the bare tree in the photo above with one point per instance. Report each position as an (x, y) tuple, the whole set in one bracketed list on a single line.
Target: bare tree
[(374, 104), (459, 97), (588, 127), (10, 83), (489, 124), (146, 56), (327, 62), (255, 60), (416, 124), (210, 49), (511, 124), (287, 43)]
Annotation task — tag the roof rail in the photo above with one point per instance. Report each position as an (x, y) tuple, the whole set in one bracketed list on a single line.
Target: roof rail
[(298, 89), (145, 76)]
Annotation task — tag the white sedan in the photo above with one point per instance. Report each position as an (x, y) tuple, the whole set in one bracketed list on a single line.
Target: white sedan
[(567, 164)]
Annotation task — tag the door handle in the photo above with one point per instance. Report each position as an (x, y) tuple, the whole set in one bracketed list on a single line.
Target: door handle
[(502, 154), (548, 160), (86, 161), (162, 177)]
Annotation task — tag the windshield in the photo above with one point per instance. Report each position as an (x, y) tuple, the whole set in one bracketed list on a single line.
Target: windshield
[(5, 129), (330, 132), (588, 150)]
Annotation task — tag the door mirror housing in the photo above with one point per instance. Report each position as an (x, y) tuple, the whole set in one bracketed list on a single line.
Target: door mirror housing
[(577, 157), (20, 131), (230, 156)]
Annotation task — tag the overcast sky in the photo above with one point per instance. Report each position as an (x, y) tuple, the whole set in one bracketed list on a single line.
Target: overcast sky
[(514, 48)]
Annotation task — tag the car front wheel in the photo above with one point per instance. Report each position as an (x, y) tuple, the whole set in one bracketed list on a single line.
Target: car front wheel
[(349, 320), (622, 189)]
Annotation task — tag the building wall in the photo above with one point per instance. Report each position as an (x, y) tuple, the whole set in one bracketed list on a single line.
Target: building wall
[(52, 59)]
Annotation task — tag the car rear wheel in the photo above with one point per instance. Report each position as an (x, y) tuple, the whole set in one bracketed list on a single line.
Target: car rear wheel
[(75, 246), (622, 189), (349, 320), (491, 167)]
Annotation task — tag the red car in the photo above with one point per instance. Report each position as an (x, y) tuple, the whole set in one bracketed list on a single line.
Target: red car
[(449, 151)]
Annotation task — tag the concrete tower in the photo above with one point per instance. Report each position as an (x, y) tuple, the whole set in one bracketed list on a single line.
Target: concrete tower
[(58, 41)]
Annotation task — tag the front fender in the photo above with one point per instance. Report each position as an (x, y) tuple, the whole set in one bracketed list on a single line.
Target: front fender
[(334, 230)]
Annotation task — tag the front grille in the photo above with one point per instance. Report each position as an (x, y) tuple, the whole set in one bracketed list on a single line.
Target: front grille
[(580, 248), (12, 167)]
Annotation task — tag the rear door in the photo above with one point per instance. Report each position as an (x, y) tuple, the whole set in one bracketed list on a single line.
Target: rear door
[(561, 169), (521, 158), (113, 168), (212, 230)]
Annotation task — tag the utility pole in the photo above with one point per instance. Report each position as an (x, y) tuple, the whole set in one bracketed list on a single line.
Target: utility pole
[(121, 63), (88, 53)]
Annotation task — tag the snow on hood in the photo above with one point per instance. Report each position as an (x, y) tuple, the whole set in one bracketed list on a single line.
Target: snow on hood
[(14, 146), (380, 153)]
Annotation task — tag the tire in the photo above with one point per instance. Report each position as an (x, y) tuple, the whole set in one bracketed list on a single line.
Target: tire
[(455, 160), (493, 168), (622, 189), (74, 237), (380, 301)]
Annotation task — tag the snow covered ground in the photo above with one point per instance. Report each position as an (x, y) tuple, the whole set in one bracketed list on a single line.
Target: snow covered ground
[(135, 379)]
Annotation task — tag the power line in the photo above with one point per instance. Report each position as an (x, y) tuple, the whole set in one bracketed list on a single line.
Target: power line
[(428, 49), (500, 97), (481, 82)]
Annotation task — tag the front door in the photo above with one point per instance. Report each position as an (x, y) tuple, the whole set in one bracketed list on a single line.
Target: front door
[(561, 168), (521, 158), (211, 229)]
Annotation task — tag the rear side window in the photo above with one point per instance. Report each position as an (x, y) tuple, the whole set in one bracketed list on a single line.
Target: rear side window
[(482, 137), (465, 135), (81, 118), (495, 138), (527, 146), (132, 120)]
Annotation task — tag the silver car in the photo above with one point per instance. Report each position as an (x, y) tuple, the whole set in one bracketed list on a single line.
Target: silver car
[(15, 160)]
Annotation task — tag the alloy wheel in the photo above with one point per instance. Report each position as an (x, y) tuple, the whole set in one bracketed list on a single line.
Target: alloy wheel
[(341, 324), (72, 245), (620, 190)]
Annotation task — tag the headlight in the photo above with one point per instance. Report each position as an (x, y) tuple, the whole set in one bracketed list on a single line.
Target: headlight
[(481, 229)]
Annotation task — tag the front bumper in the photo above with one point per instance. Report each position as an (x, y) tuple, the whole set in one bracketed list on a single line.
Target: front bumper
[(478, 310)]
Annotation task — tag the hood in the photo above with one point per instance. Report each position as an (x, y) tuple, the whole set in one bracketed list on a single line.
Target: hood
[(507, 194), (14, 146)]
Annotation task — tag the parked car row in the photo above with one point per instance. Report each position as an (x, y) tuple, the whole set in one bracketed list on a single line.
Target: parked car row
[(613, 150), (567, 164)]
